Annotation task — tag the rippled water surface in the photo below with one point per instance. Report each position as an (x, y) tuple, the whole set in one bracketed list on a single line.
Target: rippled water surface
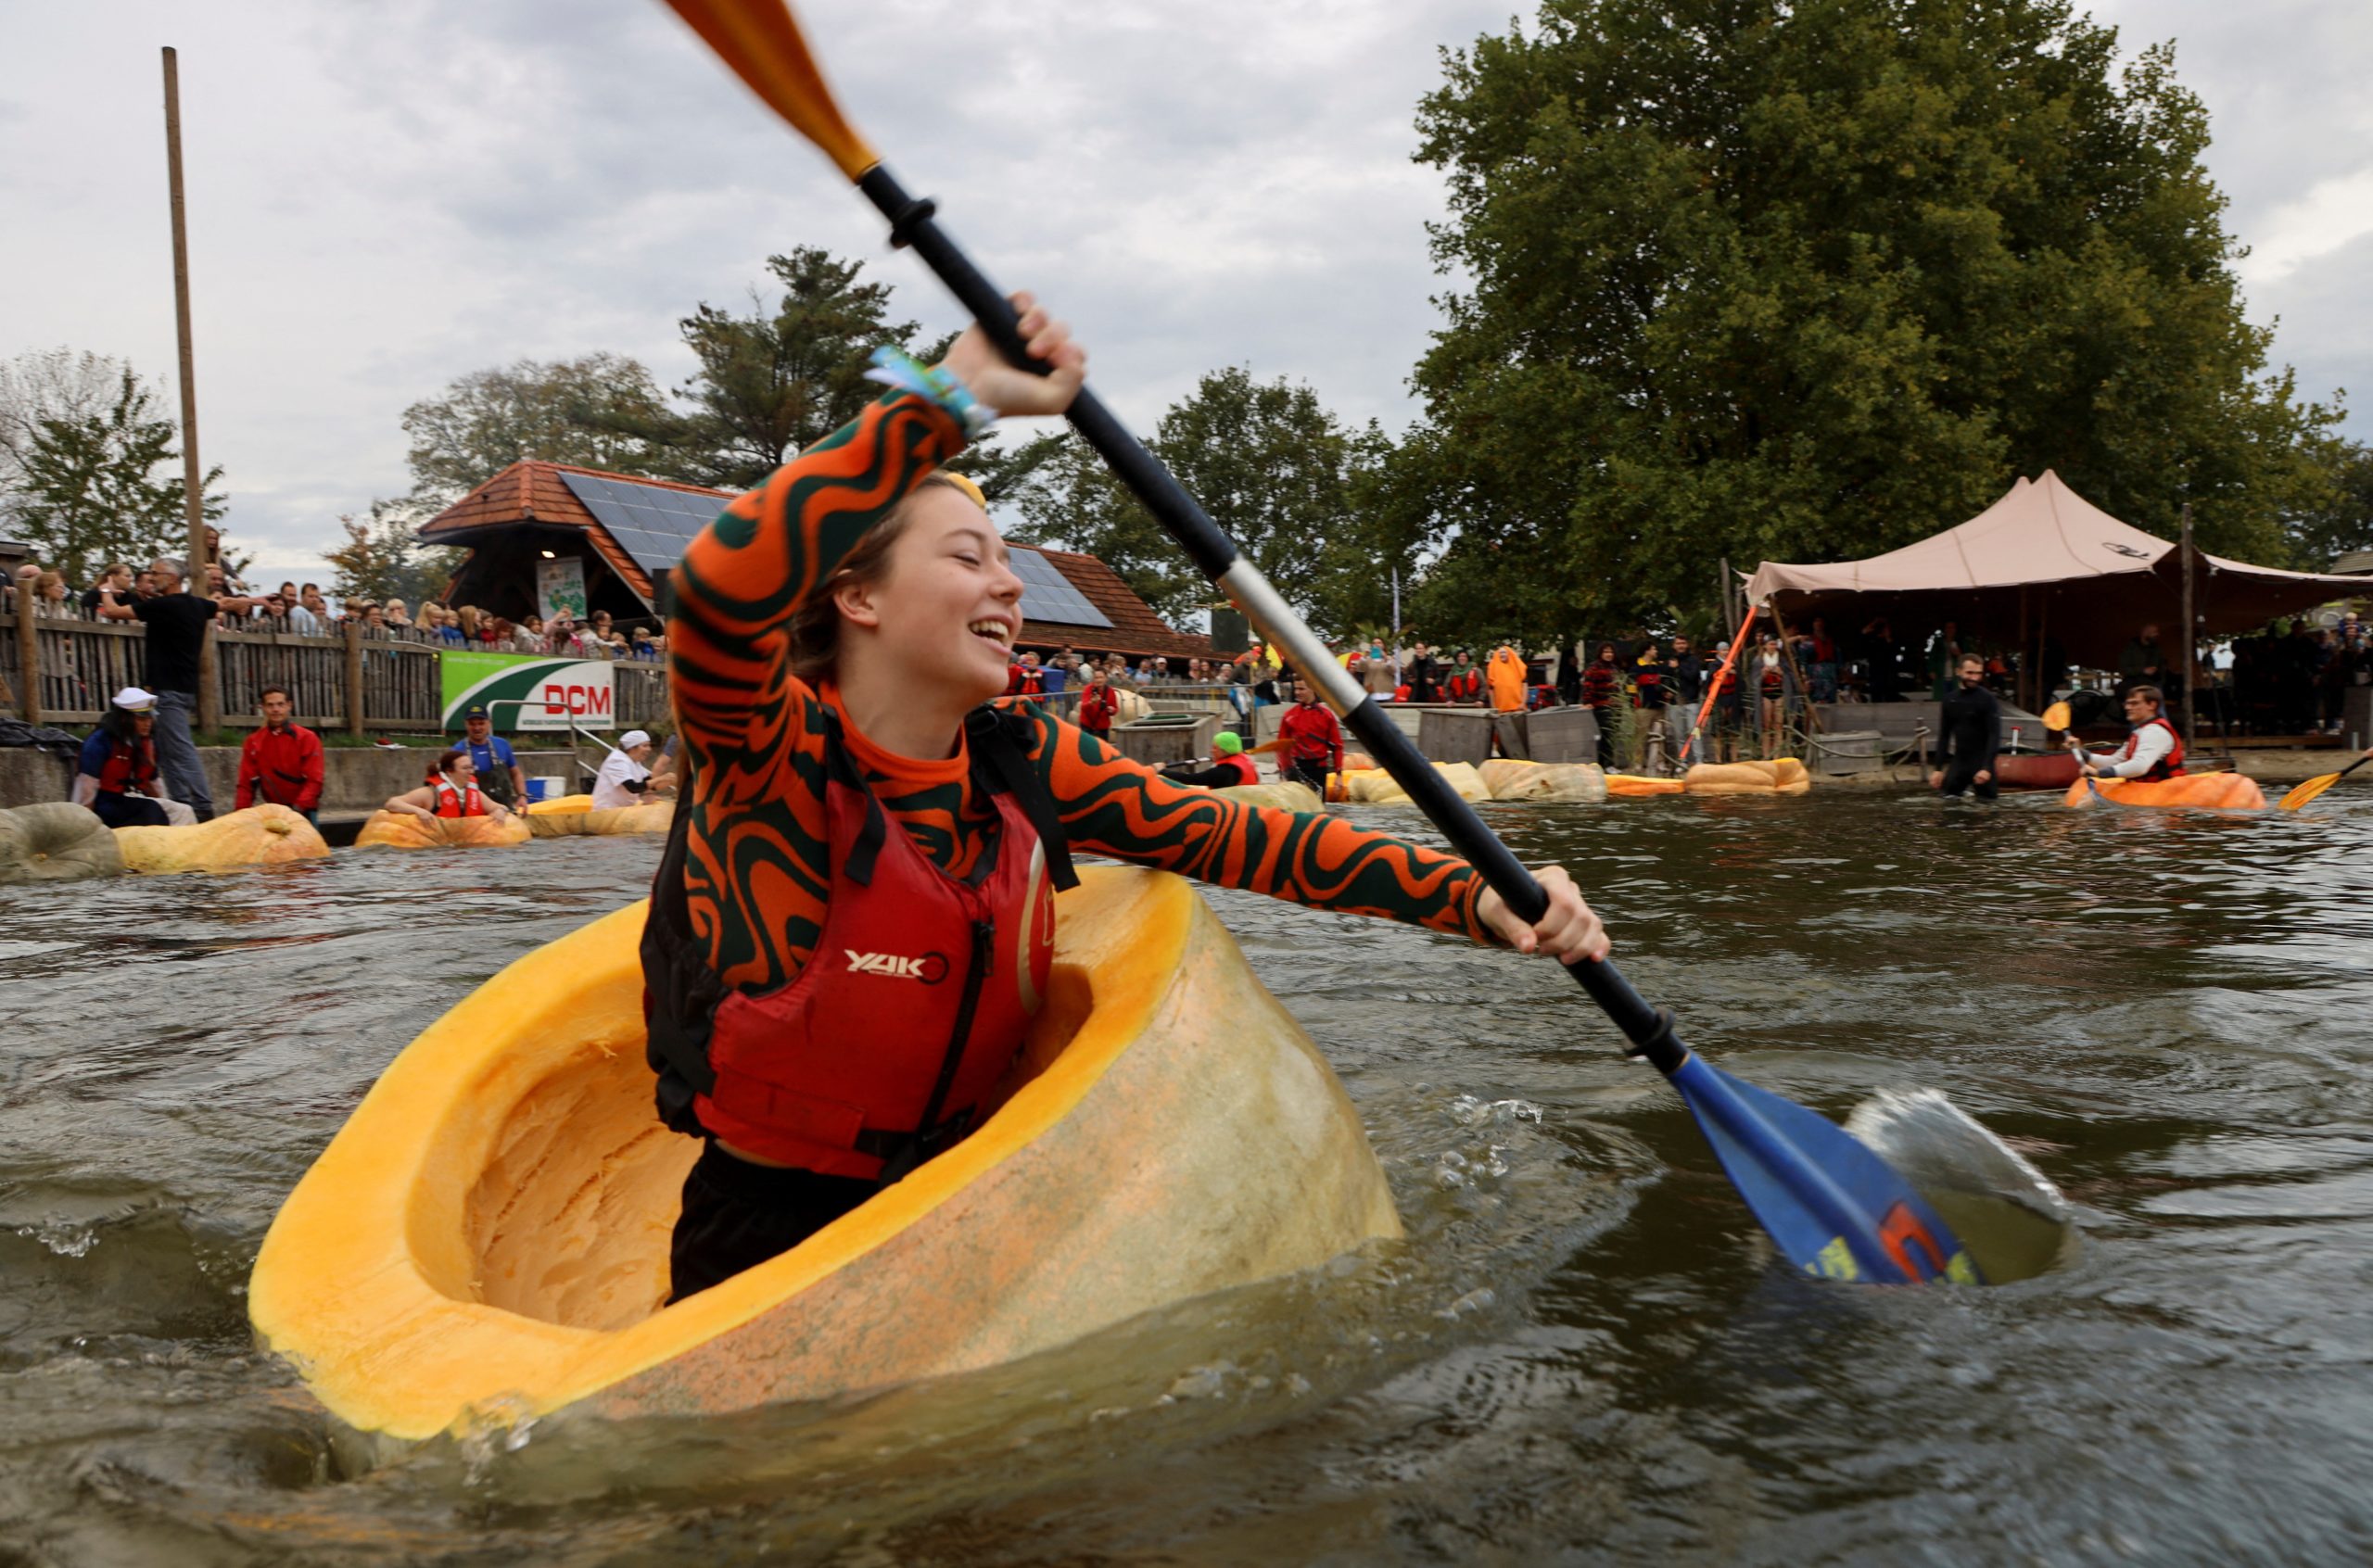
[(1584, 1351)]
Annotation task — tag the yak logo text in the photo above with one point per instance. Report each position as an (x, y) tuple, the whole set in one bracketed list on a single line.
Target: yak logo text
[(930, 968)]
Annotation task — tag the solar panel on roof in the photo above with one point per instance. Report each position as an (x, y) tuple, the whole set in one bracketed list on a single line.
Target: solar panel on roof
[(654, 524), (651, 523), (1048, 595)]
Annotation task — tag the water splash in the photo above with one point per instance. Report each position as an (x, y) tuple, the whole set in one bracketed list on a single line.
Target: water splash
[(2014, 1223)]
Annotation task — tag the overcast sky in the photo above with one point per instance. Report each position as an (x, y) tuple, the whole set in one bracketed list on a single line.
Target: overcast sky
[(385, 196)]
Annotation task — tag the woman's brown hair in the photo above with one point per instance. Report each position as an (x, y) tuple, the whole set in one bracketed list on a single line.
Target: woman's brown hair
[(814, 629)]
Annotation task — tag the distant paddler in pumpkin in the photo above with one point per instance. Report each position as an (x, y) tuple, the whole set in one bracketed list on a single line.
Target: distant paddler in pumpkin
[(854, 921), (1229, 766), (115, 777), (452, 791), (2153, 752)]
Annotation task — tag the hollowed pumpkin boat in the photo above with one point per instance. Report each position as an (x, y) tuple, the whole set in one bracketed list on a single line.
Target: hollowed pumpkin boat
[(2199, 792), (488, 1234)]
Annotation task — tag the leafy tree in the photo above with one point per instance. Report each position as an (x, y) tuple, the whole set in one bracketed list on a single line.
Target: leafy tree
[(1810, 281), (383, 559), (88, 490), (1277, 471), (774, 380), (48, 383), (585, 411), (2344, 522)]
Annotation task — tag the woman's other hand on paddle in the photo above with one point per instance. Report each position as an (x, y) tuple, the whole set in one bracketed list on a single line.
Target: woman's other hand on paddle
[(975, 361), (1569, 931)]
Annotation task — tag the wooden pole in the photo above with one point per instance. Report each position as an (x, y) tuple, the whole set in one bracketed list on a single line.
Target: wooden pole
[(353, 676), (1804, 687), (27, 659), (210, 698), (2192, 642)]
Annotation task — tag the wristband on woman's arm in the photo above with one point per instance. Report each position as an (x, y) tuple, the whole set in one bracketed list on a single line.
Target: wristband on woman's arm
[(934, 383)]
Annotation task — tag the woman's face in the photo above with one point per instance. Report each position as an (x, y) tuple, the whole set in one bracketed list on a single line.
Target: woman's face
[(464, 768), (944, 616)]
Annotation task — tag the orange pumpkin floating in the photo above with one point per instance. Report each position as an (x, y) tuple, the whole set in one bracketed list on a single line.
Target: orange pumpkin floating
[(1634, 785), (401, 830), (1781, 775), (2199, 791)]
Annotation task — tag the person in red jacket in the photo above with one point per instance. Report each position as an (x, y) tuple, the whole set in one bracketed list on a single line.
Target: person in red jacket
[(281, 763), (1097, 703), (1313, 741)]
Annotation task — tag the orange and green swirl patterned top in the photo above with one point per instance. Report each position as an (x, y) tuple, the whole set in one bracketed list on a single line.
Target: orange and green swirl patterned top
[(755, 867)]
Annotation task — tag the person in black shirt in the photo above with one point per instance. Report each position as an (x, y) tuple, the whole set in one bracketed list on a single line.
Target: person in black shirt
[(176, 622), (1685, 688), (1973, 734)]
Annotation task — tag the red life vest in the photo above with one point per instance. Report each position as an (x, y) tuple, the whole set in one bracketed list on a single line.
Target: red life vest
[(130, 764), (879, 1052), (1245, 772), (451, 802), (2169, 766)]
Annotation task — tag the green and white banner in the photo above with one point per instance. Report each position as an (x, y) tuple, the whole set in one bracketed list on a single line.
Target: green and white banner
[(526, 691)]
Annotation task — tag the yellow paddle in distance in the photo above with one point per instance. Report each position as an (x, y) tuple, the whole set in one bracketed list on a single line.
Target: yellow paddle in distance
[(2302, 793), (2056, 716)]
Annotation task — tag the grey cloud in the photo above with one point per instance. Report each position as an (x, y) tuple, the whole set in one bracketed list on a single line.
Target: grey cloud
[(385, 197)]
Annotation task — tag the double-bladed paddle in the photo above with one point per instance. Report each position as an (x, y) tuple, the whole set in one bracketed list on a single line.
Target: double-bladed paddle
[(1835, 1208)]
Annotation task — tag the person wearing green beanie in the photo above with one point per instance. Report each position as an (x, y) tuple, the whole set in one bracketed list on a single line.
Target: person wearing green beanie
[(1229, 765)]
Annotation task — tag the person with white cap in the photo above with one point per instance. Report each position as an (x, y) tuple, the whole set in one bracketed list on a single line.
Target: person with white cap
[(115, 777), (624, 778)]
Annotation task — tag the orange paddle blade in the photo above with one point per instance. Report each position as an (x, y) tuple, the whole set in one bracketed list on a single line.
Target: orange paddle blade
[(2302, 793), (2056, 716), (762, 43)]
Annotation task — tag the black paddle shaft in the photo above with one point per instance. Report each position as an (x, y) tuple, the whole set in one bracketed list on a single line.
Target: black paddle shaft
[(914, 223)]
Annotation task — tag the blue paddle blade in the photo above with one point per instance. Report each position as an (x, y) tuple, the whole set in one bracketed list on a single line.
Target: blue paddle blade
[(1838, 1211)]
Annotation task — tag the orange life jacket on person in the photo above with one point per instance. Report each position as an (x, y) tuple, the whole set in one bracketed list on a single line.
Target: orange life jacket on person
[(879, 1052), (1246, 773), (452, 801), (2169, 766)]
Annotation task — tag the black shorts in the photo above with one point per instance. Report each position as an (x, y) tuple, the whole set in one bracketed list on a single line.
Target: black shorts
[(737, 1215)]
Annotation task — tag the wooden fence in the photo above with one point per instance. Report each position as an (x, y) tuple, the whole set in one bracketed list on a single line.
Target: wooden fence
[(64, 672)]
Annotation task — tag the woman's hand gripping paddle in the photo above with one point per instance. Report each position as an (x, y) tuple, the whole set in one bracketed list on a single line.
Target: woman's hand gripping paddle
[(1835, 1208), (2301, 794)]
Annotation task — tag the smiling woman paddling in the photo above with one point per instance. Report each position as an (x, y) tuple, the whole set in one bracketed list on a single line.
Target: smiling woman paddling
[(854, 920)]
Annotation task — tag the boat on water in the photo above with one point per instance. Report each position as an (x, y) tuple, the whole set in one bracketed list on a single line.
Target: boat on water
[(2035, 770), (486, 1239)]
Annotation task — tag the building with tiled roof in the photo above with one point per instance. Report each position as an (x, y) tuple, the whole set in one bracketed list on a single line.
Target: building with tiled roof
[(627, 531)]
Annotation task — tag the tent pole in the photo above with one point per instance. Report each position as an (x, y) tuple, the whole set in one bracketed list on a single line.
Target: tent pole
[(2191, 641), (2026, 684), (2042, 680)]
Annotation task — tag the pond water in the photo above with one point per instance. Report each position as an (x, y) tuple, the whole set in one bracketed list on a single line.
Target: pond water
[(1584, 1351)]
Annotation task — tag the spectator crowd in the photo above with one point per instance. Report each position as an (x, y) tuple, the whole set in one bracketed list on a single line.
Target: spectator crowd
[(304, 609)]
